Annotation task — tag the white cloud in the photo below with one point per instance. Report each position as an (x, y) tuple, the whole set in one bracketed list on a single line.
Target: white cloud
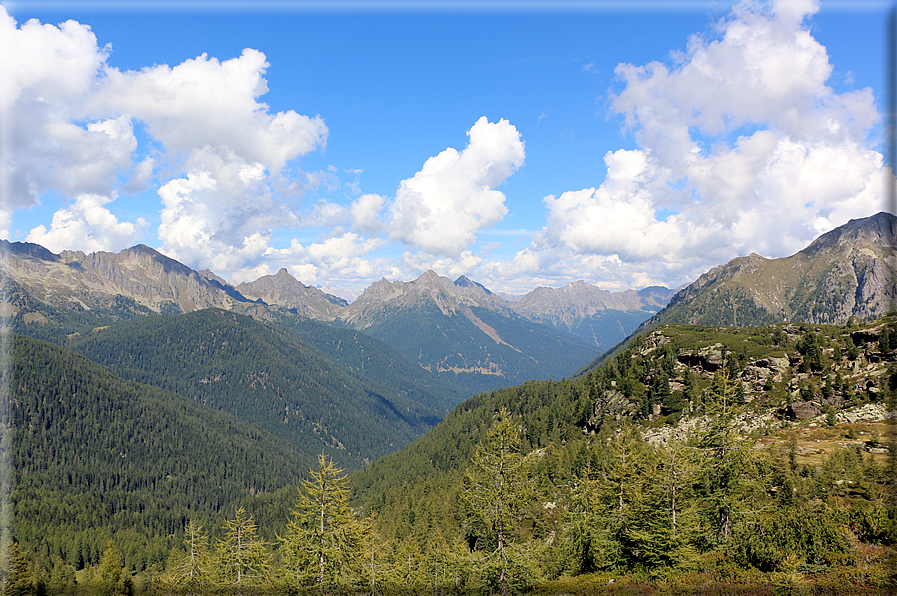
[(339, 259), (441, 208), (366, 214), (46, 75), (206, 102), (223, 213), (220, 215), (89, 226), (68, 119), (743, 148)]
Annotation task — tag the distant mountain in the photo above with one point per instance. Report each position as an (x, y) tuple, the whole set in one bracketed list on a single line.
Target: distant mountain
[(463, 332), (55, 297), (458, 330), (264, 375), (599, 316), (384, 297), (51, 296), (285, 290), (847, 272), (87, 281)]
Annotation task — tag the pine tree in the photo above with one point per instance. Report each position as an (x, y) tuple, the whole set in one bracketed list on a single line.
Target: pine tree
[(325, 543), (495, 492)]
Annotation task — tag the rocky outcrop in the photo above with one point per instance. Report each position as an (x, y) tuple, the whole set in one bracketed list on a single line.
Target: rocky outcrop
[(285, 290), (87, 281), (450, 297), (847, 272)]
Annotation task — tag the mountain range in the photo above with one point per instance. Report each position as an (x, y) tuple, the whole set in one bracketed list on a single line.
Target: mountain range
[(458, 330)]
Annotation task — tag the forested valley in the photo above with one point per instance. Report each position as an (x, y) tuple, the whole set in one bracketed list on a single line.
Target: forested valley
[(694, 460)]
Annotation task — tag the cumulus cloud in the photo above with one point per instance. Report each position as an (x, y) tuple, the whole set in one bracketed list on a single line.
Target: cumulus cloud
[(366, 214), (69, 120), (338, 259), (222, 213), (441, 209), (742, 148), (87, 225), (219, 101), (46, 75)]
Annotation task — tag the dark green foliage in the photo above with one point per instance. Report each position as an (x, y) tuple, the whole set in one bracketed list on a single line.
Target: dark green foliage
[(811, 531), (809, 347), (97, 457), (462, 354), (264, 375), (375, 362)]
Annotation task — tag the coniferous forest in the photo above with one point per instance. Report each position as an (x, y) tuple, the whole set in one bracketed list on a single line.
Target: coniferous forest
[(694, 459)]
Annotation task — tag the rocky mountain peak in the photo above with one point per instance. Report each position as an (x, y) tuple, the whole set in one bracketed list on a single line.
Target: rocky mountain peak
[(284, 290), (879, 229), (466, 282), (103, 280), (27, 249), (847, 272)]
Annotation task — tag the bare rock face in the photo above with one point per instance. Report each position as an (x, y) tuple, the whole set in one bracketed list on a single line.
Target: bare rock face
[(450, 297), (804, 410), (285, 290), (73, 279), (578, 300), (709, 359), (847, 272)]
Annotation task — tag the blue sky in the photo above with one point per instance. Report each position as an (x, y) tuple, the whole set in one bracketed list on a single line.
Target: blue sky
[(515, 143)]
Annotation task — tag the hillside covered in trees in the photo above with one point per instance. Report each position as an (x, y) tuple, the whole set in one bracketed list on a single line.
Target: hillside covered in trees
[(720, 459), (265, 375)]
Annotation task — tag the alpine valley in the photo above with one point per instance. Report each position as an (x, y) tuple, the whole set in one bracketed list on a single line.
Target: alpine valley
[(729, 437)]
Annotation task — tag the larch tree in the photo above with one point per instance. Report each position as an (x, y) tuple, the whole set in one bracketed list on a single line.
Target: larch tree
[(496, 489), (191, 569), (728, 460), (325, 542), (243, 558)]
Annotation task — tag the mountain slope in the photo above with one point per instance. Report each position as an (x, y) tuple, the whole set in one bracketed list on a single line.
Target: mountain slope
[(51, 296), (370, 360), (56, 297), (847, 272), (82, 281), (591, 313), (783, 376), (285, 290), (264, 375), (97, 457), (463, 332)]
